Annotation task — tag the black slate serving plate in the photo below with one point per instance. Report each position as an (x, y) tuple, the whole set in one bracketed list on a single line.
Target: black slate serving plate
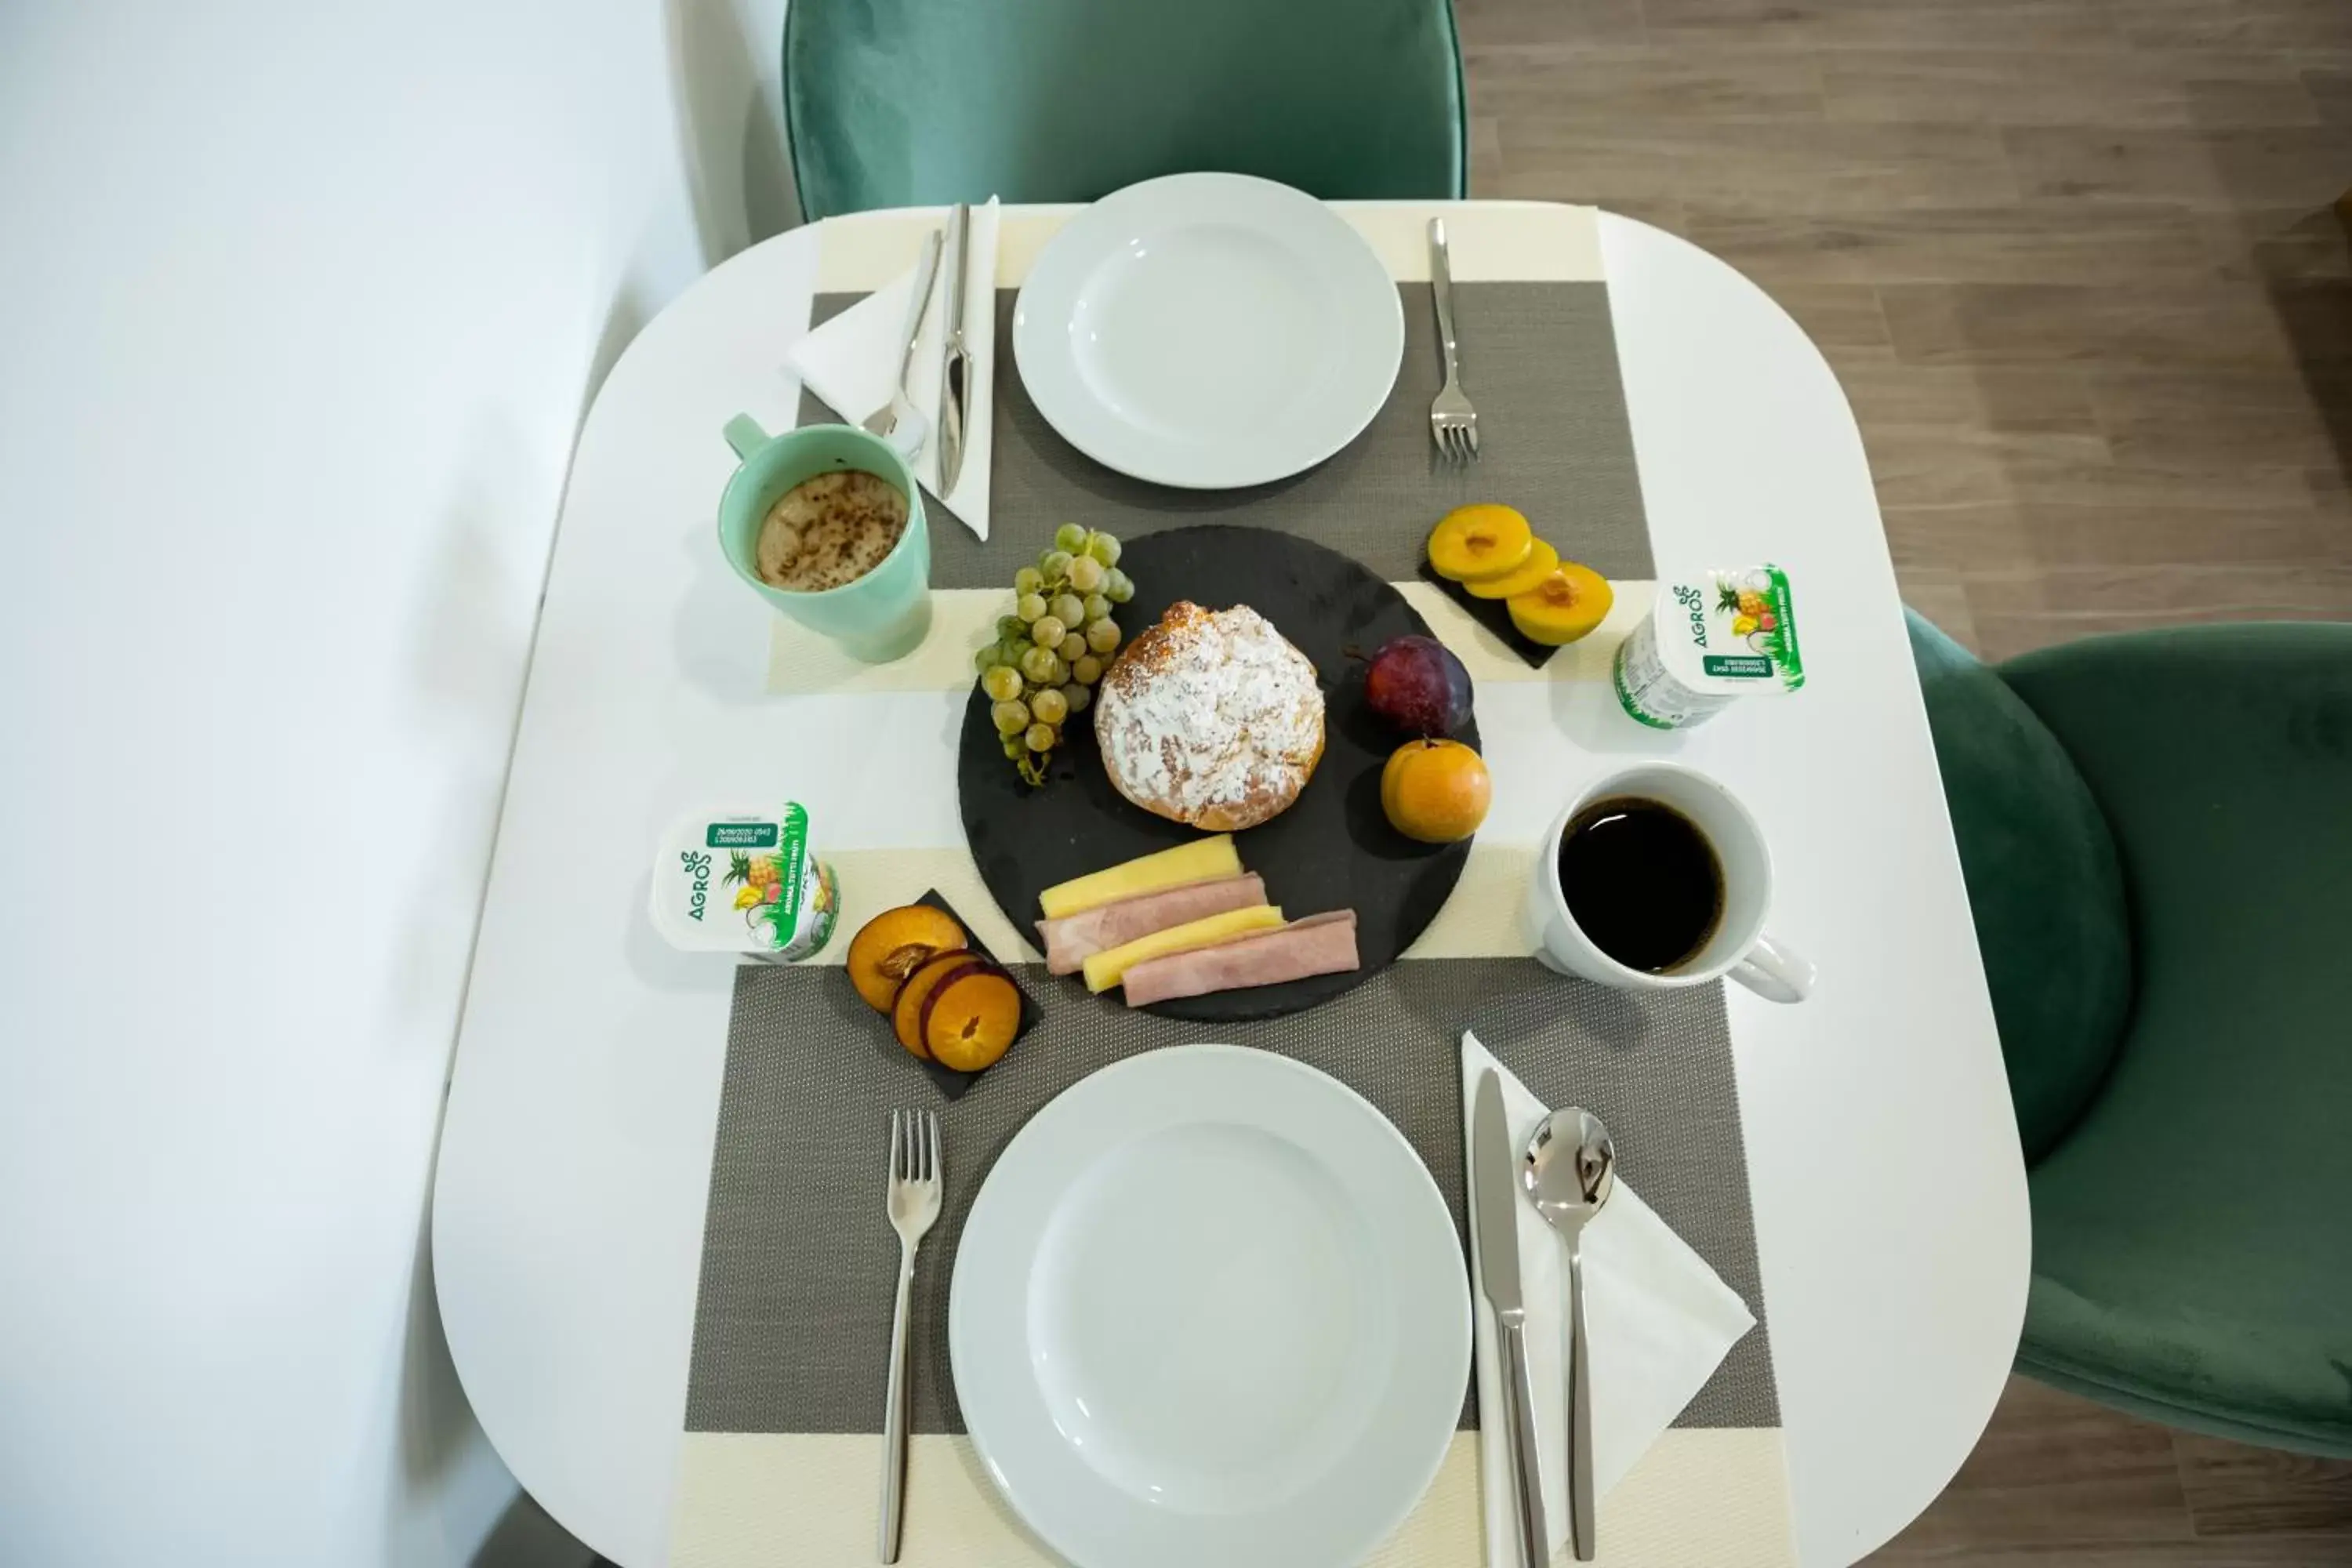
[(1333, 849)]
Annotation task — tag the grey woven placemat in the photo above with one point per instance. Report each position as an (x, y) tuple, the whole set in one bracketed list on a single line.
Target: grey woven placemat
[(793, 1323), (1541, 360)]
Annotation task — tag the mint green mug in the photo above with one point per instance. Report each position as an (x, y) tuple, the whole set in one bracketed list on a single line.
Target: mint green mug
[(882, 614)]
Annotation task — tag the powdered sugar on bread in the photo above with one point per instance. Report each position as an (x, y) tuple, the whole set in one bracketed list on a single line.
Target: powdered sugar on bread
[(1211, 718)]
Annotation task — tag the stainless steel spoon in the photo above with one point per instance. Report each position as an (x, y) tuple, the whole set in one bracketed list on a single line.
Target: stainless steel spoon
[(1571, 1170)]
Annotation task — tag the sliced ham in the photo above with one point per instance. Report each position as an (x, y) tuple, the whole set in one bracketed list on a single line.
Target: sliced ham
[(1070, 941), (1320, 944)]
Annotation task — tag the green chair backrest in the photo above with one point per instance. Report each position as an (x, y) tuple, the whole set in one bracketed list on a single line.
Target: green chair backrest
[(2044, 886), (911, 102)]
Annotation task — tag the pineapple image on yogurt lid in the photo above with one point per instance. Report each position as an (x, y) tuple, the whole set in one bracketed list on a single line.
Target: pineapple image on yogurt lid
[(1711, 637)]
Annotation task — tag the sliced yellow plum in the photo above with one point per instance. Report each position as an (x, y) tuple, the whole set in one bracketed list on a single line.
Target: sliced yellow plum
[(1541, 561), (1471, 543), (1564, 606), (969, 1017)]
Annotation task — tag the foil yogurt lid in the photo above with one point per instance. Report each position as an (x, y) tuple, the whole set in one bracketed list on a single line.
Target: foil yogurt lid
[(727, 879), (1731, 631)]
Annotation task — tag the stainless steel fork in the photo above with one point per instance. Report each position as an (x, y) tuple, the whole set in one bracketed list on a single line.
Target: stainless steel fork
[(914, 1203), (898, 421), (1453, 423)]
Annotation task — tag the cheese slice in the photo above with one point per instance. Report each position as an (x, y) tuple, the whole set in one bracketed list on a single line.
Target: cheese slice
[(1104, 969), (1194, 862)]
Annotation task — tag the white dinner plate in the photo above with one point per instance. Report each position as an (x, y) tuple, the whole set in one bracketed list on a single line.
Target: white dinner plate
[(1208, 330), (1210, 1308)]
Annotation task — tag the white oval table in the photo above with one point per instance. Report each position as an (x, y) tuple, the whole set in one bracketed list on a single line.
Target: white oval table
[(1888, 1190)]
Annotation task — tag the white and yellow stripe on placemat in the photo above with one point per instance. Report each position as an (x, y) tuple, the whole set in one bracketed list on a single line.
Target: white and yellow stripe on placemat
[(1493, 242), (1701, 1498)]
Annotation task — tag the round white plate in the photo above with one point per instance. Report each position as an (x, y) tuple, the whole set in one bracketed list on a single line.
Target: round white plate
[(1208, 1308), (1208, 330)]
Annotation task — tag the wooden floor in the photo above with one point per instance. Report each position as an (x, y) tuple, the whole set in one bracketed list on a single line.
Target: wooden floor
[(2059, 1482), (2076, 263)]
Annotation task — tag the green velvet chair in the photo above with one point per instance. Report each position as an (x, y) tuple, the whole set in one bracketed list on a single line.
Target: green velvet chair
[(2156, 831), (903, 102)]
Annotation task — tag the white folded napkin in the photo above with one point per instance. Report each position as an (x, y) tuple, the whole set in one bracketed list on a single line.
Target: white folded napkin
[(1658, 1321), (849, 362)]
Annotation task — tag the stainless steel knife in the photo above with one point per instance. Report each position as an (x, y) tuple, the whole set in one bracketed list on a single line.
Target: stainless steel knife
[(1495, 1179), (955, 369)]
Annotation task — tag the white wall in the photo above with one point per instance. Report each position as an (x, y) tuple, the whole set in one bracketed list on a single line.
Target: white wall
[(299, 307)]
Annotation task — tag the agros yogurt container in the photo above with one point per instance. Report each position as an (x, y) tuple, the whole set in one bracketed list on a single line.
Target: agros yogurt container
[(1710, 638), (744, 882)]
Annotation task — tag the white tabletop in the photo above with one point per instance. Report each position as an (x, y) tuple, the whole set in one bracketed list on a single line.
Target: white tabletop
[(1889, 1189)]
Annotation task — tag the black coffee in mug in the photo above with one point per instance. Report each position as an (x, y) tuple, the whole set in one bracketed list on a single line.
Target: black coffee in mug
[(1642, 881)]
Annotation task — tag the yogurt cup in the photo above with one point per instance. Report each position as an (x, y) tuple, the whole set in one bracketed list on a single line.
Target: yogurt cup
[(746, 882), (1710, 638)]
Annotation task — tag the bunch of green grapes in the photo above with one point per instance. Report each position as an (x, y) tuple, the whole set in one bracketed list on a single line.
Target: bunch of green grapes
[(1054, 646)]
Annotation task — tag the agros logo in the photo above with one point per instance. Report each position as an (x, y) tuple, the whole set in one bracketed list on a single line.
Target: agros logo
[(697, 868)]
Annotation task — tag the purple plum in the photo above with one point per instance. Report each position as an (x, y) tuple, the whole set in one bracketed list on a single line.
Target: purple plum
[(1416, 684)]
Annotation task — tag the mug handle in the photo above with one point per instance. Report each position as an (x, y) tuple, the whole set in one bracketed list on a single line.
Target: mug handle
[(744, 434), (1774, 971)]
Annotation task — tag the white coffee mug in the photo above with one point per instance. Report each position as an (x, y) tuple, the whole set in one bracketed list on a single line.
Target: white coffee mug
[(1738, 946)]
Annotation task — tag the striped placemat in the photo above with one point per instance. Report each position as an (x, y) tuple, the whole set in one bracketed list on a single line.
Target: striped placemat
[(791, 1333)]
